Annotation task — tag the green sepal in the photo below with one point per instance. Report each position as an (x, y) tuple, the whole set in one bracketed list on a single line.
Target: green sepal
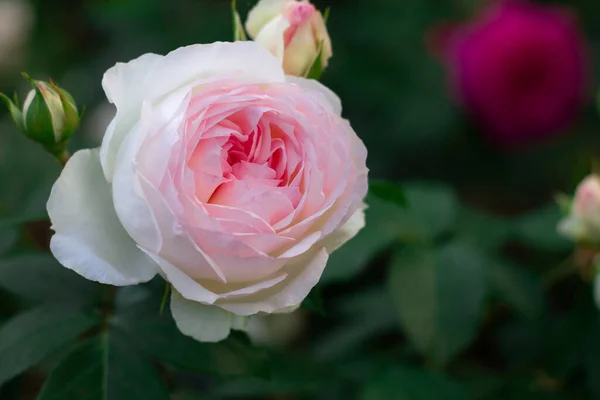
[(38, 120), (71, 115), (15, 112), (316, 69), (564, 203), (238, 28)]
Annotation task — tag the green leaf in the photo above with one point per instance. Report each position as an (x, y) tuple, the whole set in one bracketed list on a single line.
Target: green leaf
[(28, 174), (432, 210), (291, 375), (538, 229), (39, 277), (388, 191), (29, 337), (314, 302), (316, 69), (104, 368), (8, 238), (163, 342), (238, 28), (381, 230), (406, 383), (518, 286), (19, 219), (481, 229), (365, 314), (439, 296)]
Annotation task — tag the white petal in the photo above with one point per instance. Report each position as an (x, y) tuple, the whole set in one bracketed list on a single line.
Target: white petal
[(301, 51), (304, 273), (89, 237), (262, 13), (311, 84), (346, 232), (124, 85), (151, 77), (202, 322), (239, 323), (597, 290), (271, 36), (189, 288)]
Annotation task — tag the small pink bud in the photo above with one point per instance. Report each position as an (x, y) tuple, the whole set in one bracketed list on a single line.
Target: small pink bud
[(293, 31), (583, 222), (297, 15)]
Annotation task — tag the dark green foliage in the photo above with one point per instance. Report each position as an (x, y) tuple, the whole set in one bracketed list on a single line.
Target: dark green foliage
[(458, 288)]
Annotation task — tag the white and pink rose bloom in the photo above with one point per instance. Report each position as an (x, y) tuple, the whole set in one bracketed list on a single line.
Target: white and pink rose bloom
[(293, 31), (221, 174)]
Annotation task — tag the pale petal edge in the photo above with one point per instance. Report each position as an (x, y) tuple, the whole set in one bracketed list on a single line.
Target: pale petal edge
[(89, 238)]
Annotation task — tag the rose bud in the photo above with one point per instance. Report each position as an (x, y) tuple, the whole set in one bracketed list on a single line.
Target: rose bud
[(583, 222), (292, 31), (519, 69), (49, 116)]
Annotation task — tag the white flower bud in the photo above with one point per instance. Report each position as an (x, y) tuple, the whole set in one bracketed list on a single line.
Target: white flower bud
[(583, 222), (293, 31)]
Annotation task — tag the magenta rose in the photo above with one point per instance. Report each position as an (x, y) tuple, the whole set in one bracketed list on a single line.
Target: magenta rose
[(520, 69)]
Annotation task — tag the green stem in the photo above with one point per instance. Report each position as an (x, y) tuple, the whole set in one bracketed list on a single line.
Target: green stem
[(107, 305), (63, 158), (165, 298)]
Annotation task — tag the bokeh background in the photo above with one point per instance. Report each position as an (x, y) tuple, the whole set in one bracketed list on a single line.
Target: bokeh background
[(465, 292)]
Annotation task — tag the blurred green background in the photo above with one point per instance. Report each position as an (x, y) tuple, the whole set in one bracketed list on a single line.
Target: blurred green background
[(466, 292)]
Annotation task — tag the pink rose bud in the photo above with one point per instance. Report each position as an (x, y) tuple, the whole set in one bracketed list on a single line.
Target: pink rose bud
[(291, 30), (583, 222), (519, 69)]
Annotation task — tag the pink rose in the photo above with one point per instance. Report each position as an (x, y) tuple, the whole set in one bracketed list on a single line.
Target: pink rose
[(520, 69), (231, 180)]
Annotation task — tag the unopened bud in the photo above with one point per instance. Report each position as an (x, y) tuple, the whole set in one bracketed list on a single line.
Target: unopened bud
[(49, 116), (293, 31), (583, 222)]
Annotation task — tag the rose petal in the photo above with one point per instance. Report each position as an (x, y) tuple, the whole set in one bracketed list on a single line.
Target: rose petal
[(304, 273), (90, 239), (262, 13), (202, 322), (346, 231), (151, 77), (314, 86), (271, 36)]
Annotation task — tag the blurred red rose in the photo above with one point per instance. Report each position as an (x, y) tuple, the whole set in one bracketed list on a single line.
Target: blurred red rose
[(520, 69)]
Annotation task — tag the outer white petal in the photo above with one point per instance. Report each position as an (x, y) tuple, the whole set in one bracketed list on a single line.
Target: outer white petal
[(124, 85), (262, 14), (572, 227), (89, 237), (597, 290), (301, 51), (151, 77), (202, 322), (304, 273), (271, 36), (346, 232), (311, 84), (182, 283)]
